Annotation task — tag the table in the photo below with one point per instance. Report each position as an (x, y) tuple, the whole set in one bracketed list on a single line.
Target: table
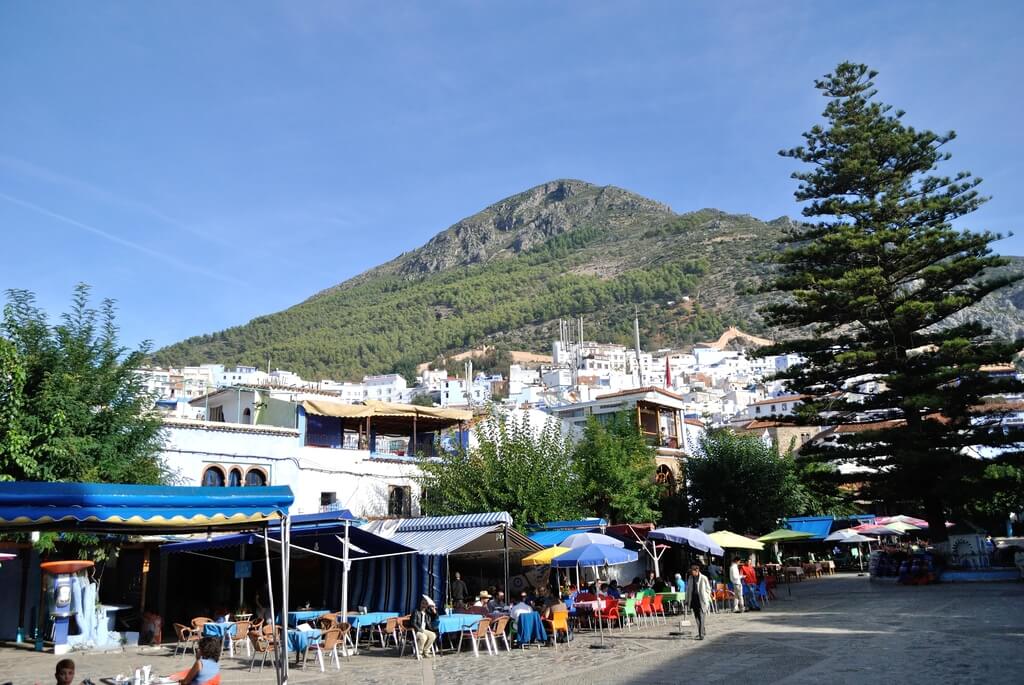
[(795, 571), (529, 628), (592, 605), (224, 630), (297, 617), (456, 623), (110, 610), (357, 621), (298, 640)]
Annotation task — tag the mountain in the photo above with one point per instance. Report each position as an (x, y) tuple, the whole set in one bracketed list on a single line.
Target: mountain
[(506, 275)]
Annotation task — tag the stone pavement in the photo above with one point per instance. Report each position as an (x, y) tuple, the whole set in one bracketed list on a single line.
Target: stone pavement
[(839, 629)]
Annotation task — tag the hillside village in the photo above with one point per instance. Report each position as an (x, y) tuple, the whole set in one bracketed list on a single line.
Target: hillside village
[(242, 425)]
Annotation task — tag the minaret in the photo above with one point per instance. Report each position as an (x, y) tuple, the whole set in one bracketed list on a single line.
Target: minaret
[(636, 342)]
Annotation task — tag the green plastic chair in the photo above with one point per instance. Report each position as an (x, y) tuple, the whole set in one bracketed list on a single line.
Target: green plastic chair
[(628, 611)]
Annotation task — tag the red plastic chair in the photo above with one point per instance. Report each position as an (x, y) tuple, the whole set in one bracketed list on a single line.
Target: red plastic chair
[(643, 608), (610, 613), (658, 607)]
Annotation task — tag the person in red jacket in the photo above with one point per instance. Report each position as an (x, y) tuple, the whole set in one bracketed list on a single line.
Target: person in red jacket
[(749, 586)]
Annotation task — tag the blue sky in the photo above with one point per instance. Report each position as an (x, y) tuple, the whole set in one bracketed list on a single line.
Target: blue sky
[(205, 163)]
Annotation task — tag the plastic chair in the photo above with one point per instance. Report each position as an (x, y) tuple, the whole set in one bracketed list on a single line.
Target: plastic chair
[(346, 638), (643, 608), (499, 628), (559, 622), (721, 593), (388, 630), (762, 590), (199, 622), (262, 645), (187, 637), (328, 643), (610, 613), (658, 607), (628, 611), (481, 632), (241, 635)]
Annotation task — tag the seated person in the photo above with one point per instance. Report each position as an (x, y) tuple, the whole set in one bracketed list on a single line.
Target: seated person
[(613, 590), (482, 599), (522, 607), (497, 603), (554, 604), (660, 585), (680, 583), (206, 665)]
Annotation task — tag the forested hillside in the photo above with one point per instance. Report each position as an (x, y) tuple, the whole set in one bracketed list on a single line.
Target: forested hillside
[(507, 274)]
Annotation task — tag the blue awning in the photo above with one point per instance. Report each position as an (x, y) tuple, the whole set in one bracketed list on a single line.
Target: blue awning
[(446, 522), (101, 507), (549, 538), (579, 524), (818, 526)]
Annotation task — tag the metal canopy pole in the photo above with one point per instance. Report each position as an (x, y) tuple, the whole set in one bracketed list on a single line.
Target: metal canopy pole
[(286, 534), (270, 596), (346, 564)]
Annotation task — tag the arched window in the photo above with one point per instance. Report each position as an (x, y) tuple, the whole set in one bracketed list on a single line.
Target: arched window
[(213, 477), (247, 415), (255, 478), (235, 478)]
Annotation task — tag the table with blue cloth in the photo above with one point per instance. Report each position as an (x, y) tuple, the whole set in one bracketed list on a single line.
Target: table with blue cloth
[(456, 623), (297, 617), (221, 630), (530, 628), (357, 621), (298, 640)]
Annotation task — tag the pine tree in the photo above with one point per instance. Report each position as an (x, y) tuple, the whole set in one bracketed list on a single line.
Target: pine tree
[(877, 289)]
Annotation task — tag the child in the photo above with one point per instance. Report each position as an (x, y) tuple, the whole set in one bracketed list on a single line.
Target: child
[(65, 673), (206, 666)]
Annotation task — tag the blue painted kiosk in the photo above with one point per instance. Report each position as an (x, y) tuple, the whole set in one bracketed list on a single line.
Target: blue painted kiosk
[(149, 510)]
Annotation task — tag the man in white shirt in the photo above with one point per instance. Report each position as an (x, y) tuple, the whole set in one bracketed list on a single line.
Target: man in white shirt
[(736, 578), (521, 608)]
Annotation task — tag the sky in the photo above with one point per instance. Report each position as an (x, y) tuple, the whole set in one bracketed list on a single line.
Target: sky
[(205, 163)]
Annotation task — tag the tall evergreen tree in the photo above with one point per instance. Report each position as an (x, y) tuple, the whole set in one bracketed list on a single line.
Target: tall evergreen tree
[(877, 289)]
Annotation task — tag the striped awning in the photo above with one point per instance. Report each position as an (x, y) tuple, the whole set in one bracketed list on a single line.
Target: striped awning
[(406, 525), (427, 537), (101, 507)]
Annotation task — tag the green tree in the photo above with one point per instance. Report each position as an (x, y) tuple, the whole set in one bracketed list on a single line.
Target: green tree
[(743, 482), (422, 400), (877, 289), (72, 405), (513, 468), (615, 470)]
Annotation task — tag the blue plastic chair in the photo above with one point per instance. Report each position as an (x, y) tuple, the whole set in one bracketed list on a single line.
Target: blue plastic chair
[(762, 591)]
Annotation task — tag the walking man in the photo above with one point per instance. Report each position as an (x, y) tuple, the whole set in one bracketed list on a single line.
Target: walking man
[(698, 597), (459, 591), (736, 579)]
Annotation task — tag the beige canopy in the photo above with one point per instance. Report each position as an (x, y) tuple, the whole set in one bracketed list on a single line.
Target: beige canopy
[(388, 416)]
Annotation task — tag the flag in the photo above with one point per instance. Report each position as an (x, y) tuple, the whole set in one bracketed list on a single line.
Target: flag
[(668, 374)]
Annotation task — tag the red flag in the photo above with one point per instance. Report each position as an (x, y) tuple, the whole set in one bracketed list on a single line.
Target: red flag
[(668, 374)]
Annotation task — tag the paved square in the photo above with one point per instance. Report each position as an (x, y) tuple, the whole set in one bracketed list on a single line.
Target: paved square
[(839, 629)]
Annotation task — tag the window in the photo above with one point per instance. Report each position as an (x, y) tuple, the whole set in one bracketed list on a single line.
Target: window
[(216, 414), (399, 500), (247, 415), (255, 478), (235, 478), (665, 478), (327, 499), (213, 477)]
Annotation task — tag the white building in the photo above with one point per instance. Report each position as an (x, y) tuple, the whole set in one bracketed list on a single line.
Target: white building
[(242, 375), (331, 454), (390, 387), (774, 406)]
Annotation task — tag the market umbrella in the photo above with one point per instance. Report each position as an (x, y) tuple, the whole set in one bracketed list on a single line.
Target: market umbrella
[(692, 537), (848, 536), (901, 518), (901, 526), (594, 555), (582, 539), (544, 557), (730, 540), (784, 535), (874, 529)]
